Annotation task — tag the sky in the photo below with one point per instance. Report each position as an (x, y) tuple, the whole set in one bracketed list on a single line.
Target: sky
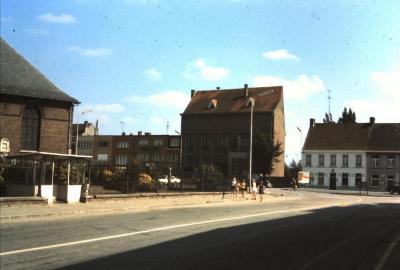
[(132, 63)]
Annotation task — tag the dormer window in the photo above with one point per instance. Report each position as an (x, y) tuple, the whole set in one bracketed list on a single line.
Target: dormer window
[(213, 104)]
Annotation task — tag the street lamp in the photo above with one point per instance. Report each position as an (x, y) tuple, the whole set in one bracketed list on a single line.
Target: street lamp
[(180, 159), (301, 140), (77, 129), (251, 102)]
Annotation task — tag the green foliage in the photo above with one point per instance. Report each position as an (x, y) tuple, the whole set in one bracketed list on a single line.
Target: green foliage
[(292, 170), (76, 173), (347, 116), (208, 177), (265, 153), (328, 118), (145, 182)]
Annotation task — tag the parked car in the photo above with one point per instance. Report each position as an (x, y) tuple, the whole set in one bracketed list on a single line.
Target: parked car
[(164, 180)]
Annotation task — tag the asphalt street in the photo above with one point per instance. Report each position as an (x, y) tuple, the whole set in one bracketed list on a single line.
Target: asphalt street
[(299, 231)]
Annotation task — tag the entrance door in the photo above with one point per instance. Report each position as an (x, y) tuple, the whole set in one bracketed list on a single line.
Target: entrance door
[(332, 181)]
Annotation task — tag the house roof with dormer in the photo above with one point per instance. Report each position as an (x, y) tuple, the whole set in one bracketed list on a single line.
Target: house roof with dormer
[(19, 78), (234, 100)]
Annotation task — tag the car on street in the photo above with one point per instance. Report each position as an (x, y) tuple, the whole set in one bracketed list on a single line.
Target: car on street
[(164, 180)]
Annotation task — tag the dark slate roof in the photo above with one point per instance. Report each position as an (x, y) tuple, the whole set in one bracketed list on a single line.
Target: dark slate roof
[(18, 77), (384, 137), (234, 100), (332, 136)]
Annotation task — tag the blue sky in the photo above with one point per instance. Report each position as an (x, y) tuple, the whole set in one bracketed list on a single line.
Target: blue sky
[(135, 61)]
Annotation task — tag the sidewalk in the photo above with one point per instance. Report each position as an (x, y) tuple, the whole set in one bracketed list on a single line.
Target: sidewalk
[(120, 204), (349, 192)]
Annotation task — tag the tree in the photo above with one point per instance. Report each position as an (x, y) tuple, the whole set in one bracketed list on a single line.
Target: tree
[(208, 176), (328, 118), (265, 153), (293, 169), (347, 116)]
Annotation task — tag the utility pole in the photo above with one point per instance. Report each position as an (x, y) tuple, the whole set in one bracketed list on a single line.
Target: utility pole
[(329, 101), (167, 127)]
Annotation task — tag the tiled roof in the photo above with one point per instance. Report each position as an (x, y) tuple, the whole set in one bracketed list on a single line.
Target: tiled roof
[(332, 136), (234, 100), (384, 137), (353, 136), (18, 77)]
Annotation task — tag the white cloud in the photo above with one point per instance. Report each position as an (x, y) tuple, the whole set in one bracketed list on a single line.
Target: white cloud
[(37, 32), (173, 99), (104, 108), (208, 72), (384, 103), (152, 74), (61, 18), (98, 52), (281, 54), (299, 88), (156, 120), (129, 120)]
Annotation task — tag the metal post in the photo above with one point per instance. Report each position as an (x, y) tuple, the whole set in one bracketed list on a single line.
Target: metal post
[(180, 160), (251, 141)]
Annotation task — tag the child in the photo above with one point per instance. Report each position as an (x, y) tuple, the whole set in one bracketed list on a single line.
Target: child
[(261, 189)]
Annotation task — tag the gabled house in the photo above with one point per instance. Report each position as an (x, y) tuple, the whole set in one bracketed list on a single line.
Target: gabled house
[(216, 128), (345, 156)]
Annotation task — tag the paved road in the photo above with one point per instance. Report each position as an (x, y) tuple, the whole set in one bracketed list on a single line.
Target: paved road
[(298, 231)]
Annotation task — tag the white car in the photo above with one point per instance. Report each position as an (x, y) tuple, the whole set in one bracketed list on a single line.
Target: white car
[(174, 180)]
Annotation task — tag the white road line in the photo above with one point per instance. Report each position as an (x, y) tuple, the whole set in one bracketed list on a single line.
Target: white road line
[(383, 260), (169, 228), (330, 251)]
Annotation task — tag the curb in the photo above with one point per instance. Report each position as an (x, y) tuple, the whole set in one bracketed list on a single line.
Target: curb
[(355, 193)]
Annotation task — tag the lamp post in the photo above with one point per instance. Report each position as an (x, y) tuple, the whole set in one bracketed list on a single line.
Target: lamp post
[(77, 129), (180, 159), (301, 140), (251, 102)]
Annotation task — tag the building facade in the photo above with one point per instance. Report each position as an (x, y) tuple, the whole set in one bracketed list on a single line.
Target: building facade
[(352, 155), (34, 113), (216, 128)]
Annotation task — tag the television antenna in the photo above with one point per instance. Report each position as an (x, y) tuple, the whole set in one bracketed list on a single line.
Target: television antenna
[(329, 101)]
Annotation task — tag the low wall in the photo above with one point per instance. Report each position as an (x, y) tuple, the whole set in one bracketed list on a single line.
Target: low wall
[(20, 190), (73, 194)]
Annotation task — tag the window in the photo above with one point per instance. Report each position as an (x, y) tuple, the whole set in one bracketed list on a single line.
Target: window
[(375, 161), (244, 140), (175, 142), (30, 133), (173, 157), (122, 144), (321, 179), (345, 179), (157, 142), (143, 142), (311, 177), (102, 158), (156, 157), (121, 160), (333, 160), (102, 144), (390, 162), (205, 143), (188, 144), (358, 179), (144, 157), (321, 160), (375, 181), (358, 160), (223, 140), (84, 144), (389, 181), (345, 161), (308, 160)]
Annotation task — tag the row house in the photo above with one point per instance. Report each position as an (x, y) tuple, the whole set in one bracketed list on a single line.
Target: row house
[(216, 127), (345, 156), (119, 150)]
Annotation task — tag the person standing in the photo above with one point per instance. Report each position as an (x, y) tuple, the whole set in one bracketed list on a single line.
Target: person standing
[(261, 190), (242, 187), (233, 186), (254, 190)]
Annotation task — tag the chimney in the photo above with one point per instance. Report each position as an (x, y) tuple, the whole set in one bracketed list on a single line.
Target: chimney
[(312, 122), (139, 133), (218, 88), (192, 93), (372, 120), (246, 90), (147, 133), (86, 123), (97, 127)]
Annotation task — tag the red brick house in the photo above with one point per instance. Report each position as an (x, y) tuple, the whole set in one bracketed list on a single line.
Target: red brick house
[(216, 127)]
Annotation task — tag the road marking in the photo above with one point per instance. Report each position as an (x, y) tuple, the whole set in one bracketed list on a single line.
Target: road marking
[(383, 260), (168, 228), (330, 251)]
